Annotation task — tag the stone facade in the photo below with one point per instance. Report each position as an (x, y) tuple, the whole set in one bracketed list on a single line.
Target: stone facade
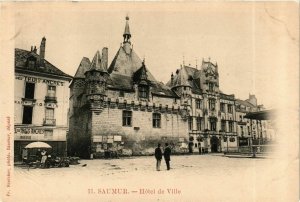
[(121, 108)]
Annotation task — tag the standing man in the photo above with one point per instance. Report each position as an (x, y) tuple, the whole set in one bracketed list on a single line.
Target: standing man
[(167, 155), (158, 156)]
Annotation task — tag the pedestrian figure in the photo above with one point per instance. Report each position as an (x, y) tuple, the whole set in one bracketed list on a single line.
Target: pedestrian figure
[(44, 158), (158, 156), (167, 154)]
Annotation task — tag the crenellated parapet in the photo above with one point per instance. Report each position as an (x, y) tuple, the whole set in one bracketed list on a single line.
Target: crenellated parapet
[(98, 103)]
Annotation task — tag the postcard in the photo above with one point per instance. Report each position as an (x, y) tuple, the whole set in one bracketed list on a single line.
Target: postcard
[(150, 101)]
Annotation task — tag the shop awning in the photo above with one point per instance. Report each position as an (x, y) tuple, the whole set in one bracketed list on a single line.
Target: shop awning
[(261, 115)]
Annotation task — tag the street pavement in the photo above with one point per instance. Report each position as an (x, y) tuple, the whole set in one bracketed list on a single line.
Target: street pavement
[(191, 178)]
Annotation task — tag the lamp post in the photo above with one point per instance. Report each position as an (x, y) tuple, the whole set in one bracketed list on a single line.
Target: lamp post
[(227, 142)]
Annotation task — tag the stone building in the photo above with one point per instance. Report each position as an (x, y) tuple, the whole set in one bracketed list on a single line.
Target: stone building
[(249, 130), (41, 101), (211, 121), (122, 107)]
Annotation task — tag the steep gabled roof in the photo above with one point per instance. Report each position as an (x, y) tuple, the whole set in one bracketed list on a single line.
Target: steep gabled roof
[(185, 76), (83, 67), (141, 75), (182, 78), (127, 62), (245, 103), (21, 57)]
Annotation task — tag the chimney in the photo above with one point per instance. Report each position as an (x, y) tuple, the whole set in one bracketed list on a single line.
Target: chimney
[(252, 99), (34, 50), (172, 79), (31, 49), (104, 59), (42, 49)]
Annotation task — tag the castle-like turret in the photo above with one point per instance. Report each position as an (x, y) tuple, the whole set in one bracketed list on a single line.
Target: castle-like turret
[(96, 80)]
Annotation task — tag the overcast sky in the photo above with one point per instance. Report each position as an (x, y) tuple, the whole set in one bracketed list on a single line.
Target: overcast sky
[(254, 44)]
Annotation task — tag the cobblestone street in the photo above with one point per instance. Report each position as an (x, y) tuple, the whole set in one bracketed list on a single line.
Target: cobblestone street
[(192, 178)]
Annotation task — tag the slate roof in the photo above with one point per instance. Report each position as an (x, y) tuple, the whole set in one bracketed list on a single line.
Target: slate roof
[(123, 82), (226, 96), (245, 103), (187, 76), (21, 57), (161, 89), (126, 62), (120, 82), (84, 65), (96, 62)]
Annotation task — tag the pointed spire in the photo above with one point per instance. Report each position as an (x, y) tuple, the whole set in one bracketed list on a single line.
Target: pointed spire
[(183, 77), (127, 34), (83, 67), (144, 75), (96, 62)]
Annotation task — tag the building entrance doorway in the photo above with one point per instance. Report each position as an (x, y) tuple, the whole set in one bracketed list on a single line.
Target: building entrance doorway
[(214, 142)]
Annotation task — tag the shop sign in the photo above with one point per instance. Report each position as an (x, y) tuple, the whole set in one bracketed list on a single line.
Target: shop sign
[(107, 138), (25, 137), (118, 138), (28, 103), (39, 80), (226, 101), (51, 105), (97, 139), (29, 131)]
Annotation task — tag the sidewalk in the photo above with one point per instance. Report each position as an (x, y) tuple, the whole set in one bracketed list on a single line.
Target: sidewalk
[(248, 155)]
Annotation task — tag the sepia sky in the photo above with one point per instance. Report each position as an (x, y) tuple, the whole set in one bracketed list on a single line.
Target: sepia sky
[(254, 44)]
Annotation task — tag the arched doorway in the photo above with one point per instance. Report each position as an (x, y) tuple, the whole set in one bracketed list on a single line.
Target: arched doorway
[(214, 143)]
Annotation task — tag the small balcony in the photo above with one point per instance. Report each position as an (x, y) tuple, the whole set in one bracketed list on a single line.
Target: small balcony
[(50, 99), (49, 122)]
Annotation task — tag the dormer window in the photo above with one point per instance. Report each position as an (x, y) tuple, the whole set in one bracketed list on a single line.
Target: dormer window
[(143, 91), (31, 62)]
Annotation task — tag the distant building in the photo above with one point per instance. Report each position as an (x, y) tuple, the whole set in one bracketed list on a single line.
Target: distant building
[(254, 131), (41, 101), (122, 107)]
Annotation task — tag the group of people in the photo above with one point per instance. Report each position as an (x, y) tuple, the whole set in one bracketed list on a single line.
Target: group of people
[(159, 154)]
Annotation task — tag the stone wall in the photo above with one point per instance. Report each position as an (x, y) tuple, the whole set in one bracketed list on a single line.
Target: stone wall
[(140, 138)]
